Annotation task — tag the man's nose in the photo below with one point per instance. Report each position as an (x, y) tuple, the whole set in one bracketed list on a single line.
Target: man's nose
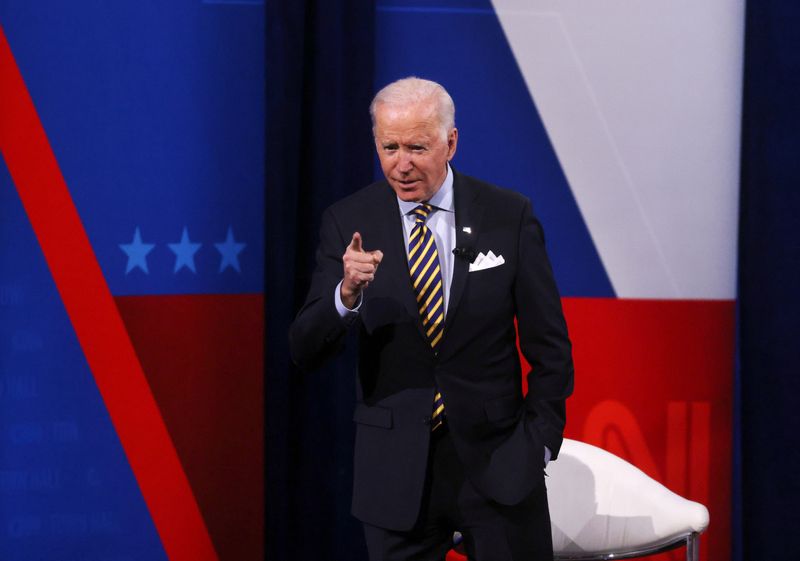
[(405, 164)]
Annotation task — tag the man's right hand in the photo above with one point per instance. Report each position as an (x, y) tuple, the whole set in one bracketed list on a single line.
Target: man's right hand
[(359, 270)]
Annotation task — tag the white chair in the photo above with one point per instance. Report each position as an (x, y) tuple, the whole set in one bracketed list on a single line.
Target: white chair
[(602, 507)]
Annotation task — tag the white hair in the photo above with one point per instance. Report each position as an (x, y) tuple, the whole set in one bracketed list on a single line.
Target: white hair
[(413, 90)]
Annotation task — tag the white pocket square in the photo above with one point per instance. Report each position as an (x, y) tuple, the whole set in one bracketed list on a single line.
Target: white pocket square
[(487, 261)]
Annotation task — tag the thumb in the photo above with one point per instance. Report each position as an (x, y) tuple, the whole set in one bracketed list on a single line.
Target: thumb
[(355, 243)]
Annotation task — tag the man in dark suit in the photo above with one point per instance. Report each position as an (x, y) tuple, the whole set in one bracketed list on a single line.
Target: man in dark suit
[(445, 440)]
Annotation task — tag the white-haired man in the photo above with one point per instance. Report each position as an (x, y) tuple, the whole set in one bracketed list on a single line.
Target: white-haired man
[(445, 440)]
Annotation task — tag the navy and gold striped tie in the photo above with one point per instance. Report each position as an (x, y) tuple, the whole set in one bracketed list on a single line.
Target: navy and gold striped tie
[(426, 277)]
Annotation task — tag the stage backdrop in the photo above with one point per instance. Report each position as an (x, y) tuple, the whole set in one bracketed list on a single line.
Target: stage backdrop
[(131, 275), (620, 120)]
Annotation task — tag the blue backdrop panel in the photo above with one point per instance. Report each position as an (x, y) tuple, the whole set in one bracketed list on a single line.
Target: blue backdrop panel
[(155, 113), (66, 490), (502, 139)]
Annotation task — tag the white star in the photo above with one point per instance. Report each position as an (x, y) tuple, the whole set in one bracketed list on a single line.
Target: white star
[(229, 250), (137, 252), (184, 252)]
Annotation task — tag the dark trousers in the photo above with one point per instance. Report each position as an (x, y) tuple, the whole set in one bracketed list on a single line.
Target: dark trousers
[(492, 532)]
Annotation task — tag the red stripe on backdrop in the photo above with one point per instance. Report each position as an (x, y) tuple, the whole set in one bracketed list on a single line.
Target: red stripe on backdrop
[(94, 316), (654, 385), (204, 359)]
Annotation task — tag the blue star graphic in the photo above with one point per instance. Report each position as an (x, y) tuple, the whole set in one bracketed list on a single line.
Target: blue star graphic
[(230, 251), (137, 252), (184, 252)]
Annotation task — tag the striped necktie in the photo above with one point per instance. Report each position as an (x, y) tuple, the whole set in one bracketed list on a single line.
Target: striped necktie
[(426, 277)]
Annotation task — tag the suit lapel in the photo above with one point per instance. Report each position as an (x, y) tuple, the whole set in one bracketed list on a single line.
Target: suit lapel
[(469, 216)]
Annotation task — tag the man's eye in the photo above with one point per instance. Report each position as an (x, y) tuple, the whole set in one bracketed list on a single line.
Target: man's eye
[(417, 148), (390, 147)]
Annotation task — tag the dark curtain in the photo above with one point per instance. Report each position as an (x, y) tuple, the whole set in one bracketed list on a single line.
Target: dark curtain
[(319, 149), (769, 286)]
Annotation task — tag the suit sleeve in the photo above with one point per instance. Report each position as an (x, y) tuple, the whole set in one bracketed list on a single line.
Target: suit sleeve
[(318, 332), (543, 336)]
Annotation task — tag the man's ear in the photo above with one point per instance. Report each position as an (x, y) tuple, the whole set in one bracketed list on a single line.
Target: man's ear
[(452, 143)]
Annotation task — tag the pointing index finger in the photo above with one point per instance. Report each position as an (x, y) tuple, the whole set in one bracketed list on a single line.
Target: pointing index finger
[(355, 243)]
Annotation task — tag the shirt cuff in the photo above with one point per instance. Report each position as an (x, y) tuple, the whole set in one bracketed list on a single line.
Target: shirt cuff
[(547, 455), (345, 313)]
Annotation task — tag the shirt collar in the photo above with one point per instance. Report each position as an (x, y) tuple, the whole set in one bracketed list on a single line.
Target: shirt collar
[(442, 200)]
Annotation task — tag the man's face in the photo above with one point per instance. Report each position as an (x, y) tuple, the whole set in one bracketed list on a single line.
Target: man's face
[(412, 152)]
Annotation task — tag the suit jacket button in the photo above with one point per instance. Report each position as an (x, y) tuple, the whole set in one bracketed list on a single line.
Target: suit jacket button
[(426, 420)]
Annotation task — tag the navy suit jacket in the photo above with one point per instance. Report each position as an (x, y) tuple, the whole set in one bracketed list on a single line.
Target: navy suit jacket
[(499, 435)]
